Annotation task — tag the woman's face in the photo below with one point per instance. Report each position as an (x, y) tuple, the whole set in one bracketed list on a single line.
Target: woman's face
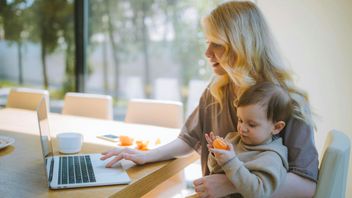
[(213, 53)]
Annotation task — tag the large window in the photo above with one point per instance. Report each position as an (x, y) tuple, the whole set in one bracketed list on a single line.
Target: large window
[(136, 49), (37, 45)]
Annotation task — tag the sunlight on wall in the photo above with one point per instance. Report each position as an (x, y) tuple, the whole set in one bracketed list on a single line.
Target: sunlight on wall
[(314, 37)]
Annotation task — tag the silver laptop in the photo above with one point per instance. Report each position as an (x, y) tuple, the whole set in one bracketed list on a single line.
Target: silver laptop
[(73, 171)]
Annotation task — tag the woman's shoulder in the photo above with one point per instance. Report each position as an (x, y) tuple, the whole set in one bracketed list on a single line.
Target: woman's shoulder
[(297, 132), (294, 124)]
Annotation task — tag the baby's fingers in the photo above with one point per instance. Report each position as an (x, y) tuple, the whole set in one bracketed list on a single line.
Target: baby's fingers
[(209, 140), (229, 145), (212, 136), (217, 151)]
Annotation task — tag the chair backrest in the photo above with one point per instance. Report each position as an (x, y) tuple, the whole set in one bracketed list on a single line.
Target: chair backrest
[(88, 105), (155, 112), (26, 98), (334, 166)]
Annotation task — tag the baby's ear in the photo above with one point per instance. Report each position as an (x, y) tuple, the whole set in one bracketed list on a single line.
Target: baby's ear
[(278, 126)]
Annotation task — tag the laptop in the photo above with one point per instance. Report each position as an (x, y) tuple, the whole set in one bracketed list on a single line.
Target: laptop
[(74, 171)]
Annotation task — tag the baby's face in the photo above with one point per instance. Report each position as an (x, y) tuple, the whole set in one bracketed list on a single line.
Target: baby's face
[(253, 125)]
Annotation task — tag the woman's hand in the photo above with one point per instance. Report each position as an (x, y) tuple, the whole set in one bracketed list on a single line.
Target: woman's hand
[(217, 185), (168, 151), (138, 157)]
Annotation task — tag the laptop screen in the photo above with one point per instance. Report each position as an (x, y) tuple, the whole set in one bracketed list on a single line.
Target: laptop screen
[(45, 138)]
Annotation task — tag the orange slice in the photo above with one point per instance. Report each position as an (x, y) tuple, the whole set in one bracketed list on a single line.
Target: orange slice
[(142, 145), (157, 142), (125, 140)]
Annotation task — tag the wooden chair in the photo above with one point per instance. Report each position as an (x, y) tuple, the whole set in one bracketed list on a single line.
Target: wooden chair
[(334, 164), (155, 112), (88, 105), (26, 98)]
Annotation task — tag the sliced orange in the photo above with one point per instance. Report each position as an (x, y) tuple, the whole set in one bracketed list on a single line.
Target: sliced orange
[(157, 142), (125, 140), (219, 143), (142, 145)]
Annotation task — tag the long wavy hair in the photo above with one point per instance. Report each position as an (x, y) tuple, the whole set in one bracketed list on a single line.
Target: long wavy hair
[(250, 54)]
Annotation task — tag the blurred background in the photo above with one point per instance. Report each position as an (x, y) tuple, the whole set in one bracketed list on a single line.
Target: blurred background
[(135, 49), (155, 49)]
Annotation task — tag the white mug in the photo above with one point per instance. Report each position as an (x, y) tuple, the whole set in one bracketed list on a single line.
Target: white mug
[(69, 142)]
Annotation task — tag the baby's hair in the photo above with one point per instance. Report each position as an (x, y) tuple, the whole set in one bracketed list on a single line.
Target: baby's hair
[(275, 100)]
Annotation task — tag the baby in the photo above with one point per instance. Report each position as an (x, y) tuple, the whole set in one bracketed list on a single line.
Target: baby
[(255, 160)]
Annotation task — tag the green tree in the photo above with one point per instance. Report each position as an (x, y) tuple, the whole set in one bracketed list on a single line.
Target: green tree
[(98, 26), (14, 25), (189, 42), (49, 18), (141, 11)]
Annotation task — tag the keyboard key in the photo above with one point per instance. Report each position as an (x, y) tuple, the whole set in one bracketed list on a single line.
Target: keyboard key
[(71, 173), (90, 169), (84, 169), (64, 170), (77, 170)]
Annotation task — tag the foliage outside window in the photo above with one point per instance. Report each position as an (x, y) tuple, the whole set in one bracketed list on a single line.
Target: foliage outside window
[(147, 39)]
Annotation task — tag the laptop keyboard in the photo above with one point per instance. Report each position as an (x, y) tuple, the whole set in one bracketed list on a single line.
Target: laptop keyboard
[(75, 170)]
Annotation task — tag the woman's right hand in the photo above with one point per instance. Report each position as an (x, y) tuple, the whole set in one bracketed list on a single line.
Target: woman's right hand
[(136, 156), (216, 185)]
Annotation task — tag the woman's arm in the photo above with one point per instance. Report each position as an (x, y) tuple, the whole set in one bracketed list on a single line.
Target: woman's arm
[(174, 149), (171, 150), (295, 186)]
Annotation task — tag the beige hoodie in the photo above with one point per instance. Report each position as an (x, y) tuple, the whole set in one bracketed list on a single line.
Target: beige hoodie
[(256, 171)]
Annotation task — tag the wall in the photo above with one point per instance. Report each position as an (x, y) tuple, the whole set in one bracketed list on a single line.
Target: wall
[(315, 38)]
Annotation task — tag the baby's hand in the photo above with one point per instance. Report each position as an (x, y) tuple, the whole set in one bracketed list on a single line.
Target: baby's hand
[(221, 155), (210, 139)]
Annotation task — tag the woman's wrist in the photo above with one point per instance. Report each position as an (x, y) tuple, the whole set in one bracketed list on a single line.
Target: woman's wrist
[(168, 151), (152, 156)]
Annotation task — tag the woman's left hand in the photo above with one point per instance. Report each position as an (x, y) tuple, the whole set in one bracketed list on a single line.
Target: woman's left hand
[(216, 185)]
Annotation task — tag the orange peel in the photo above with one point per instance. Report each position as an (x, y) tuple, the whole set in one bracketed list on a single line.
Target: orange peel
[(219, 143)]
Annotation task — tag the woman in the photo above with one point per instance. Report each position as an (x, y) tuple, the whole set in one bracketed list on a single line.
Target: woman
[(242, 53)]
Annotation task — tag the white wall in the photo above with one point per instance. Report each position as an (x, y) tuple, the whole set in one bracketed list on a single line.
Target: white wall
[(315, 36)]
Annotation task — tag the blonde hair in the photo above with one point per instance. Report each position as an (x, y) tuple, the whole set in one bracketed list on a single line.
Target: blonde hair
[(250, 54)]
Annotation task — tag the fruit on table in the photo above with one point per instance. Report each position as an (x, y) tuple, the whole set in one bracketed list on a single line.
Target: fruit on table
[(219, 143), (158, 141), (142, 145), (125, 140)]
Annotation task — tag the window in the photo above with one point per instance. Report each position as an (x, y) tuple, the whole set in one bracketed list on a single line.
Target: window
[(136, 48)]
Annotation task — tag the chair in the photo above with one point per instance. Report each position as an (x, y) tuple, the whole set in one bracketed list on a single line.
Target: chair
[(155, 112), (88, 105), (334, 166), (26, 98)]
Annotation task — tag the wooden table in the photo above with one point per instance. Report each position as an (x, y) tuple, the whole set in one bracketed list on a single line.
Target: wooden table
[(21, 164)]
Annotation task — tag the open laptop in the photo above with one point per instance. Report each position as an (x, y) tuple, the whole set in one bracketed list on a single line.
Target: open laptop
[(73, 171)]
